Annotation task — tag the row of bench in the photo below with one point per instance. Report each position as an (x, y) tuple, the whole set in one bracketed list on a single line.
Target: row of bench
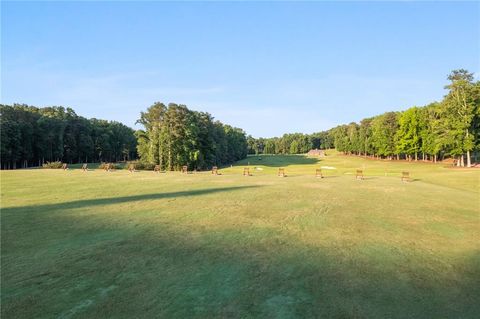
[(318, 173), (246, 171)]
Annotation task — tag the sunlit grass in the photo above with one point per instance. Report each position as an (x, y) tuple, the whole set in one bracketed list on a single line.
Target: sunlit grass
[(97, 244)]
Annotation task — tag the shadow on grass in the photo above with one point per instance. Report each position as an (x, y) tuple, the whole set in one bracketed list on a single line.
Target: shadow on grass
[(69, 266), (190, 272), (118, 200)]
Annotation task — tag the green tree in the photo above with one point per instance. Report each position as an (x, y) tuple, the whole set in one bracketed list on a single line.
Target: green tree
[(383, 130), (459, 110), (408, 134)]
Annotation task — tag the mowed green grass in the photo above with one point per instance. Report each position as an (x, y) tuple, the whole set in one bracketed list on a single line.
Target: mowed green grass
[(143, 245)]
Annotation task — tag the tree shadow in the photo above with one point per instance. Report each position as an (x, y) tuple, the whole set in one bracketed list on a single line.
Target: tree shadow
[(118, 200), (187, 272)]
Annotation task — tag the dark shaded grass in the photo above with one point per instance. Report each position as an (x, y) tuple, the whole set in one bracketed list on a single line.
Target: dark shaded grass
[(85, 203), (89, 268)]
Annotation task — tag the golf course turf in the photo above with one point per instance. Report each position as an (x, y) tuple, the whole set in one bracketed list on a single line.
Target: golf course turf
[(118, 244)]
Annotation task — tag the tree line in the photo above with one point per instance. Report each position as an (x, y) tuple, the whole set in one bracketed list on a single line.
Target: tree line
[(449, 128), (32, 136), (295, 143), (174, 136)]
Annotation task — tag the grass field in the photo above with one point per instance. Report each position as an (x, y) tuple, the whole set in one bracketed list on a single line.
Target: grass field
[(144, 245)]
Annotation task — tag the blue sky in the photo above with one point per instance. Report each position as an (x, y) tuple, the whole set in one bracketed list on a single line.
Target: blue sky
[(268, 68)]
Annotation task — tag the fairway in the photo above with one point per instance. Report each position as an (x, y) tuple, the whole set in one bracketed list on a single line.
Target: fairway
[(142, 245)]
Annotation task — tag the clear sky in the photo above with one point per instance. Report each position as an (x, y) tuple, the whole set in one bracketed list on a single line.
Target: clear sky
[(269, 68)]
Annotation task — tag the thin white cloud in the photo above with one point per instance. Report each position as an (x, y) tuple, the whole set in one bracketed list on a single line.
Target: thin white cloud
[(112, 96), (273, 108)]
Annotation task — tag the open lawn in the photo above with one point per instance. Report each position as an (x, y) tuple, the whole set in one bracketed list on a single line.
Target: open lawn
[(143, 245)]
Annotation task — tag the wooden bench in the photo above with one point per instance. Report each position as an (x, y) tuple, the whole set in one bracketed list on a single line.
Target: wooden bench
[(64, 166), (156, 169), (131, 168), (318, 173), (359, 174), (84, 168), (281, 172), (215, 170), (185, 169), (246, 171), (109, 167), (405, 177)]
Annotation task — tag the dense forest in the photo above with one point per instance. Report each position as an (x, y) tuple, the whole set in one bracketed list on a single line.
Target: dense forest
[(296, 143), (31, 136), (447, 128), (174, 136)]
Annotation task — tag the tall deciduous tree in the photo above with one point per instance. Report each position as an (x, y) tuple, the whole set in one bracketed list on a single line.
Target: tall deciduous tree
[(384, 128), (460, 105), (408, 134), (175, 136)]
